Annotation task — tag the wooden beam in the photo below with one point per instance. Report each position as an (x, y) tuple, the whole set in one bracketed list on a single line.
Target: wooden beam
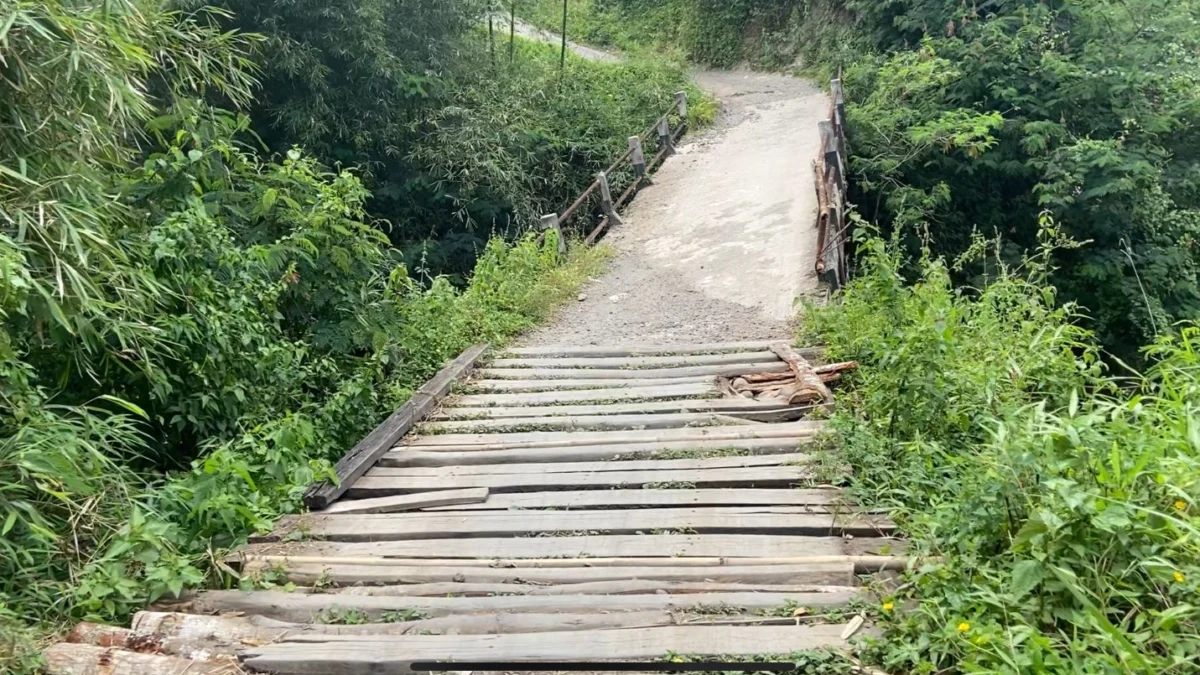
[(726, 370), (587, 453), (821, 500), (674, 548), (651, 350), (791, 520), (396, 655), (372, 486), (677, 361), (301, 607), (500, 386), (616, 422), (727, 406), (622, 393), (368, 451), (563, 439), (651, 465)]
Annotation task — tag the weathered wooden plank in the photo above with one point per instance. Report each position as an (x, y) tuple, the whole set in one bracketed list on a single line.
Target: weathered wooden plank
[(739, 547), (638, 362), (446, 589), (764, 477), (727, 370), (821, 500), (229, 634), (396, 655), (759, 446), (728, 406), (561, 439), (531, 386), (615, 422), (368, 451), (625, 351), (591, 467), (300, 607), (719, 520), (674, 391), (396, 503)]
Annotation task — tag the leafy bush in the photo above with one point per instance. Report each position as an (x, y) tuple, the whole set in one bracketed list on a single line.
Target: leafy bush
[(189, 333), (1062, 508)]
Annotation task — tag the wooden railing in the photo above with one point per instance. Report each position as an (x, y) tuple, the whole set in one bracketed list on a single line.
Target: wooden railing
[(630, 167), (833, 224)]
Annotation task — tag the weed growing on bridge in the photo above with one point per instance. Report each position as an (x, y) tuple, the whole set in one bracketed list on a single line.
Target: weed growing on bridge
[(1061, 500)]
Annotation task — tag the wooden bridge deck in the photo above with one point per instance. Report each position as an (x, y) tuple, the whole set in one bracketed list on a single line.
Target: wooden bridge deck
[(574, 504)]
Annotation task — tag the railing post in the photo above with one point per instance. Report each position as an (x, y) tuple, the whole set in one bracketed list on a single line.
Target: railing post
[(829, 148), (681, 102), (637, 158), (839, 113), (550, 222), (606, 200), (664, 138)]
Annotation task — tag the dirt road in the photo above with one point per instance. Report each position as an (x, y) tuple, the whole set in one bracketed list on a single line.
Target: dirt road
[(723, 243)]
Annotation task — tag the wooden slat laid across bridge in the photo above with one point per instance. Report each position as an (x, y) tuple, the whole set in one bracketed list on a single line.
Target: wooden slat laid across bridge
[(669, 505)]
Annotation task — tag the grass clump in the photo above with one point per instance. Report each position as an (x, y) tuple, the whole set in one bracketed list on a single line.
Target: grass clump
[(1061, 500)]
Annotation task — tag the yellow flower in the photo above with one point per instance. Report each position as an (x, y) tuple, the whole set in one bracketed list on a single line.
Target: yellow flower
[(964, 627), (1179, 576), (1180, 505), (889, 606)]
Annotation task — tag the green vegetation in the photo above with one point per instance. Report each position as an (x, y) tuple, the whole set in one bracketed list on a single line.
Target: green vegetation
[(1060, 500), (192, 325)]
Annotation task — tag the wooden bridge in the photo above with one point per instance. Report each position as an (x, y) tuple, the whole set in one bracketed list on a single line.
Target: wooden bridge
[(559, 504)]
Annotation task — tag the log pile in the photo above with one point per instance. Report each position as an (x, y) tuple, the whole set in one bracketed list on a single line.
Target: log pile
[(159, 644), (803, 385)]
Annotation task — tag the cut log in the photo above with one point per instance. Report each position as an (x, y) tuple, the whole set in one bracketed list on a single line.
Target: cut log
[(99, 635), (672, 548), (718, 520), (396, 655), (625, 351), (372, 486), (397, 503), (368, 451), (760, 446), (531, 386), (728, 370), (565, 439), (645, 393), (66, 658), (299, 607), (639, 362), (616, 422), (810, 383), (590, 467)]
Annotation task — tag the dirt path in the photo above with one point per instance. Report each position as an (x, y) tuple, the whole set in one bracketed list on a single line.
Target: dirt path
[(723, 243)]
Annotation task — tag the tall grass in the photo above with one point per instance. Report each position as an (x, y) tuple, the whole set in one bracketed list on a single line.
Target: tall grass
[(1059, 502)]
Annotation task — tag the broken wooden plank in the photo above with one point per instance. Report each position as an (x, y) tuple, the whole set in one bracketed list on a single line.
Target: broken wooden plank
[(822, 500), (563, 439), (646, 393), (727, 370), (533, 386), (300, 607), (753, 446), (718, 520), (615, 422), (368, 451), (728, 406), (764, 477), (589, 467), (396, 655), (806, 378), (639, 362), (625, 351), (396, 503), (589, 548)]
